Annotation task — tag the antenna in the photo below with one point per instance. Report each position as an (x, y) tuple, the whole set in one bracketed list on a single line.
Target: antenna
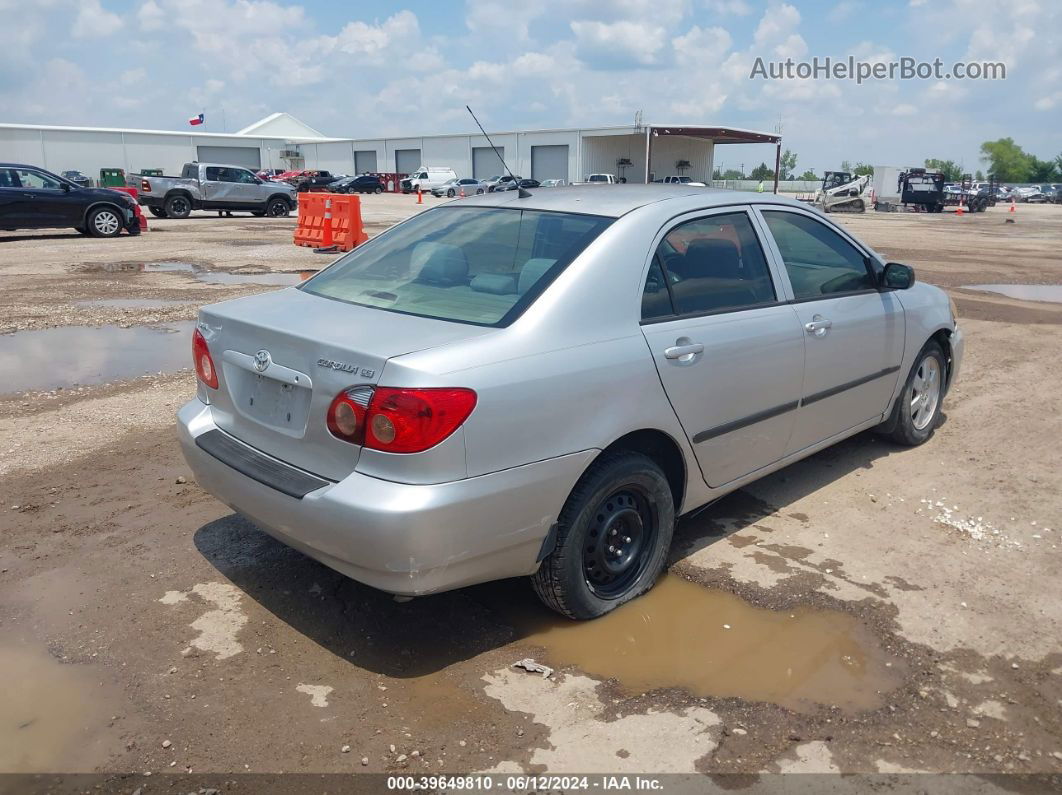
[(521, 192)]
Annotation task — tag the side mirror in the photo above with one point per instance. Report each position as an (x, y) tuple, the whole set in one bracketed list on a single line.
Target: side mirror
[(897, 276), (65, 186)]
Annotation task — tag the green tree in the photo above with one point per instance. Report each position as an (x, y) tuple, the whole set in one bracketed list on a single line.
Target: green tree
[(762, 171), (809, 175), (1006, 160), (731, 173), (787, 164), (863, 169), (951, 170), (979, 176), (1042, 170)]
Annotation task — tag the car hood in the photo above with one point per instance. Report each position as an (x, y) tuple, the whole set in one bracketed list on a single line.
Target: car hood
[(105, 193)]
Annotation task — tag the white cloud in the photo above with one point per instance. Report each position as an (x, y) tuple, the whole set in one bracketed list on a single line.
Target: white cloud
[(618, 42), (360, 38), (150, 16), (724, 7), (94, 21), (777, 22)]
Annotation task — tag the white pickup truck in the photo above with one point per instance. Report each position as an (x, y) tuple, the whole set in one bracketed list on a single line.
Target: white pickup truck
[(680, 179), (213, 186), (599, 179)]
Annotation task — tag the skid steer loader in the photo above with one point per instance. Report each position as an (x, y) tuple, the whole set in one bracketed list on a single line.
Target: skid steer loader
[(842, 192)]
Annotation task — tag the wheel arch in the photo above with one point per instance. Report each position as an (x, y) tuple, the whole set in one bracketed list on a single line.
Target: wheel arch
[(662, 449), (942, 336), (101, 203), (283, 196)]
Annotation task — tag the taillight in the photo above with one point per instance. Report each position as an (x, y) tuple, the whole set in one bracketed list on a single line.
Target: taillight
[(204, 365), (145, 186), (399, 420), (346, 415)]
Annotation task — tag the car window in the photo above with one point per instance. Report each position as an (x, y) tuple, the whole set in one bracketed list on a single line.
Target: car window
[(466, 264), (36, 180), (213, 174), (818, 260), (243, 176), (711, 264), (8, 178), (656, 299)]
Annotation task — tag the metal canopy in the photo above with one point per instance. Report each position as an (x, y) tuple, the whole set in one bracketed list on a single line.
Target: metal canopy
[(718, 135)]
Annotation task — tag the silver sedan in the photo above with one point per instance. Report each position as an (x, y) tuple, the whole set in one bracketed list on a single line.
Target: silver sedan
[(540, 385)]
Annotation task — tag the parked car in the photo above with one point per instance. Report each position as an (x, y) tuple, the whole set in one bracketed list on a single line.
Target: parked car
[(32, 198), (453, 187), (366, 183), (313, 180), (601, 179), (553, 183), (680, 179), (522, 183), (427, 177), (502, 386), (270, 173), (77, 178), (213, 186)]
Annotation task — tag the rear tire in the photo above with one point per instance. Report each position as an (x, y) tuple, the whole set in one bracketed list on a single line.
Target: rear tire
[(613, 535), (916, 413), (105, 222), (178, 206)]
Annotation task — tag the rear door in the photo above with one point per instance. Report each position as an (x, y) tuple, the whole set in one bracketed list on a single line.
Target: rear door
[(11, 206), (728, 348), (853, 333)]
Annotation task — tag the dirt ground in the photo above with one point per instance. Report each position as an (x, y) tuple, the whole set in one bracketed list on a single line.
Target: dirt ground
[(870, 609)]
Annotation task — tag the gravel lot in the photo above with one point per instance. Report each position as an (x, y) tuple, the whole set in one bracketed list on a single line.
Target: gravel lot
[(871, 609)]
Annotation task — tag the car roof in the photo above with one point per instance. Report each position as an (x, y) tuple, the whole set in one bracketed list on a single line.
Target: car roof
[(616, 200)]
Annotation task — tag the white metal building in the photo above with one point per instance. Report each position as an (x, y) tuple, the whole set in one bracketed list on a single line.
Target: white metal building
[(637, 152)]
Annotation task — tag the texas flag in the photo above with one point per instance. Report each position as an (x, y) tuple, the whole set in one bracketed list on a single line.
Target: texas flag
[(196, 120)]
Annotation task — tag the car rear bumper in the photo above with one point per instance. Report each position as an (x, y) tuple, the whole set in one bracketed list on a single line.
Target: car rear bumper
[(401, 538)]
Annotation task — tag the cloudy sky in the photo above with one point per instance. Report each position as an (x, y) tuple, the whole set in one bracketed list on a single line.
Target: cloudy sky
[(360, 68)]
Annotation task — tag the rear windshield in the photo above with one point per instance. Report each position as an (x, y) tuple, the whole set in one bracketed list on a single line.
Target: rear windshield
[(480, 265)]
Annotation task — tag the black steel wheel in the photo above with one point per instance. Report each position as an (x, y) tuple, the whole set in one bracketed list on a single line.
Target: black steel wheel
[(612, 537)]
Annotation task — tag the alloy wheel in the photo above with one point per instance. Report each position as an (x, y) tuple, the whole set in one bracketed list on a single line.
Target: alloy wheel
[(925, 392), (106, 223)]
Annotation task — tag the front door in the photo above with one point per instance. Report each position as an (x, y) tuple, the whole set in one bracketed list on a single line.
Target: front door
[(46, 202), (853, 332), (729, 350)]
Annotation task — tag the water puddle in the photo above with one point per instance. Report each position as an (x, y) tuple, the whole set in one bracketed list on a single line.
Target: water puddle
[(84, 355), (200, 272), (713, 643), (131, 303), (1022, 292), (52, 715)]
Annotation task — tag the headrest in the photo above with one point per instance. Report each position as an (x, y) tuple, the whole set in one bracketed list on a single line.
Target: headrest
[(714, 257), (532, 271), (441, 264), (496, 283)]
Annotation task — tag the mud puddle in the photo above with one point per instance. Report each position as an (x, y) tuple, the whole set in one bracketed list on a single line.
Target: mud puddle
[(200, 272), (84, 355), (712, 643), (131, 303), (1051, 293), (53, 717)]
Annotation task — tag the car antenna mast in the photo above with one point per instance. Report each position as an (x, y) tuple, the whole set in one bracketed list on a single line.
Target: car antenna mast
[(520, 191)]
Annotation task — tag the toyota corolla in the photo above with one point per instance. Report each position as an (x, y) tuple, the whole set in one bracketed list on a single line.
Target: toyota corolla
[(515, 385)]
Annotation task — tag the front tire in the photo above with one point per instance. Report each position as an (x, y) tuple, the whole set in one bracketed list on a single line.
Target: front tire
[(377, 190), (917, 411), (278, 208), (613, 536), (105, 222)]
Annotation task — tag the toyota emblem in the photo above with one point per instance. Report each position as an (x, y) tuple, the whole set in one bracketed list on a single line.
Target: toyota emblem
[(262, 360)]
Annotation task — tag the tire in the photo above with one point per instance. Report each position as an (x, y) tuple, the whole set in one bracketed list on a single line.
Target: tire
[(916, 413), (479, 191), (104, 222), (377, 190), (158, 212), (278, 208), (178, 206), (618, 494), (450, 193)]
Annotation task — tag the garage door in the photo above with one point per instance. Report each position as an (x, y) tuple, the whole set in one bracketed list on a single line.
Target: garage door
[(485, 163), (365, 162), (549, 162), (407, 160), (231, 156)]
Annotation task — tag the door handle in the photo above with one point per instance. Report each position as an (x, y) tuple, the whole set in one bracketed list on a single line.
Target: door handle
[(818, 326), (685, 351)]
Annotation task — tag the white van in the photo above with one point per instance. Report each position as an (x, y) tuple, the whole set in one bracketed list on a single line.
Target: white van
[(427, 177)]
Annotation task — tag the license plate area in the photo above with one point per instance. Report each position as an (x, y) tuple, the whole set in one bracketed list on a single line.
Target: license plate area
[(275, 403)]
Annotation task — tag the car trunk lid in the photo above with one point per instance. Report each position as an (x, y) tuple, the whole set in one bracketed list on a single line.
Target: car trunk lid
[(283, 356)]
